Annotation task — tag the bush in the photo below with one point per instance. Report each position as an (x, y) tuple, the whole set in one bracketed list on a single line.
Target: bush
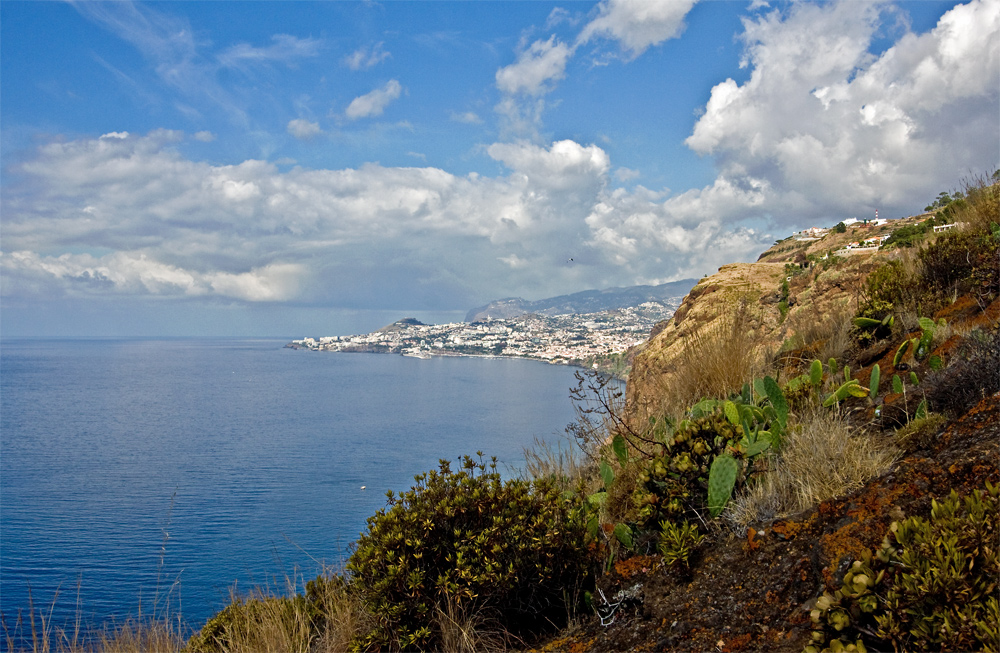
[(678, 541), (932, 585), (974, 373), (471, 541), (257, 623), (884, 288)]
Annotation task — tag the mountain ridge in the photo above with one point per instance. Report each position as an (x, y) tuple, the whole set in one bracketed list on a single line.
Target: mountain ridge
[(585, 301)]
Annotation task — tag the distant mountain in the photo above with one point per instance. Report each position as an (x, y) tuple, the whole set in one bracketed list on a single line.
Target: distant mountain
[(587, 301)]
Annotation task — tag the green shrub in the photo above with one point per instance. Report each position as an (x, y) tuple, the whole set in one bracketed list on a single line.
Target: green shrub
[(678, 542), (257, 623), (471, 540), (932, 586), (706, 459), (884, 289)]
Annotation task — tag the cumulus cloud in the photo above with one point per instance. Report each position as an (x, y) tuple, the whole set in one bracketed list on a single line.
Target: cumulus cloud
[(375, 102), (364, 58), (634, 24), (157, 223), (836, 131), (303, 129), (542, 62), (638, 24)]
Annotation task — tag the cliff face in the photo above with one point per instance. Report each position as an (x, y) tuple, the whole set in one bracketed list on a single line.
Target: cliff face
[(819, 299)]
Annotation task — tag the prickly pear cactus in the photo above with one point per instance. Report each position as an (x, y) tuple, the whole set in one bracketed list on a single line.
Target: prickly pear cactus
[(721, 481)]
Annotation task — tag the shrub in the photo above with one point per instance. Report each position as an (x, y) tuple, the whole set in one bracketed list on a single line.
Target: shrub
[(932, 585), (974, 373), (707, 459), (257, 623), (471, 541), (678, 542), (884, 289)]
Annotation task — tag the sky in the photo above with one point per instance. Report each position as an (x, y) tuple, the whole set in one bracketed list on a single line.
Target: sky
[(325, 168)]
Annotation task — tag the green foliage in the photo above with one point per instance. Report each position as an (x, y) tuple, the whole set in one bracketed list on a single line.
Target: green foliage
[(620, 447), (897, 384), (686, 476), (964, 260), (721, 481), (909, 235), (623, 533), (777, 399), (607, 473), (852, 388), (243, 618), (932, 585), (508, 547), (816, 372), (884, 289), (898, 358), (874, 381), (840, 228), (678, 541)]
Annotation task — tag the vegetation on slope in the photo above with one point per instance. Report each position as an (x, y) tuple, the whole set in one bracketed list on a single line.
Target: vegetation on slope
[(780, 477)]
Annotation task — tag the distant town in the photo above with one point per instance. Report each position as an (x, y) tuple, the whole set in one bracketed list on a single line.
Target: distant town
[(595, 340)]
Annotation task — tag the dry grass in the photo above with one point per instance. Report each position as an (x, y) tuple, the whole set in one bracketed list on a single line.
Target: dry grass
[(721, 356), (821, 458), (564, 463), (154, 636), (982, 203), (468, 631), (261, 622)]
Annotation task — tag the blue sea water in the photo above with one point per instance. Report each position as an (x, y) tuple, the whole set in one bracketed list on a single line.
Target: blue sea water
[(167, 472)]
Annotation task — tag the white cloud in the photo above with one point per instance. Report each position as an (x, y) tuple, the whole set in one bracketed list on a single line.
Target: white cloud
[(638, 24), (626, 174), (834, 130), (166, 225), (468, 117), (364, 58), (542, 62), (375, 102), (557, 167), (204, 136), (303, 129), (284, 48), (129, 273), (118, 135), (635, 24)]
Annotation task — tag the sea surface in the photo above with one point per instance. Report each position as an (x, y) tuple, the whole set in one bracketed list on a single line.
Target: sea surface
[(160, 475)]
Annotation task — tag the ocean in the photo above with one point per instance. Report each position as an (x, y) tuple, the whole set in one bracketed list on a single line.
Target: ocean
[(160, 475)]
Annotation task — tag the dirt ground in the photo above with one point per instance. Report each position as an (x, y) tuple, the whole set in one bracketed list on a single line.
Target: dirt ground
[(755, 593)]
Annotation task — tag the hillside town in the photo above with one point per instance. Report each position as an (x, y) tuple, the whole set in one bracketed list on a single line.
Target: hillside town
[(574, 339)]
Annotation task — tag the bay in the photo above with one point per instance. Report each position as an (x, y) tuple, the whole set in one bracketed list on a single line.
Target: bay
[(159, 475)]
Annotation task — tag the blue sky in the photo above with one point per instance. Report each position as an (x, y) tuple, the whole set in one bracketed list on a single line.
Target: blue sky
[(291, 168)]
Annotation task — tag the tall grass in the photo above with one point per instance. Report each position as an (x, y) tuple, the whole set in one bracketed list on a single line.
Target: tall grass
[(821, 458), (721, 356)]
